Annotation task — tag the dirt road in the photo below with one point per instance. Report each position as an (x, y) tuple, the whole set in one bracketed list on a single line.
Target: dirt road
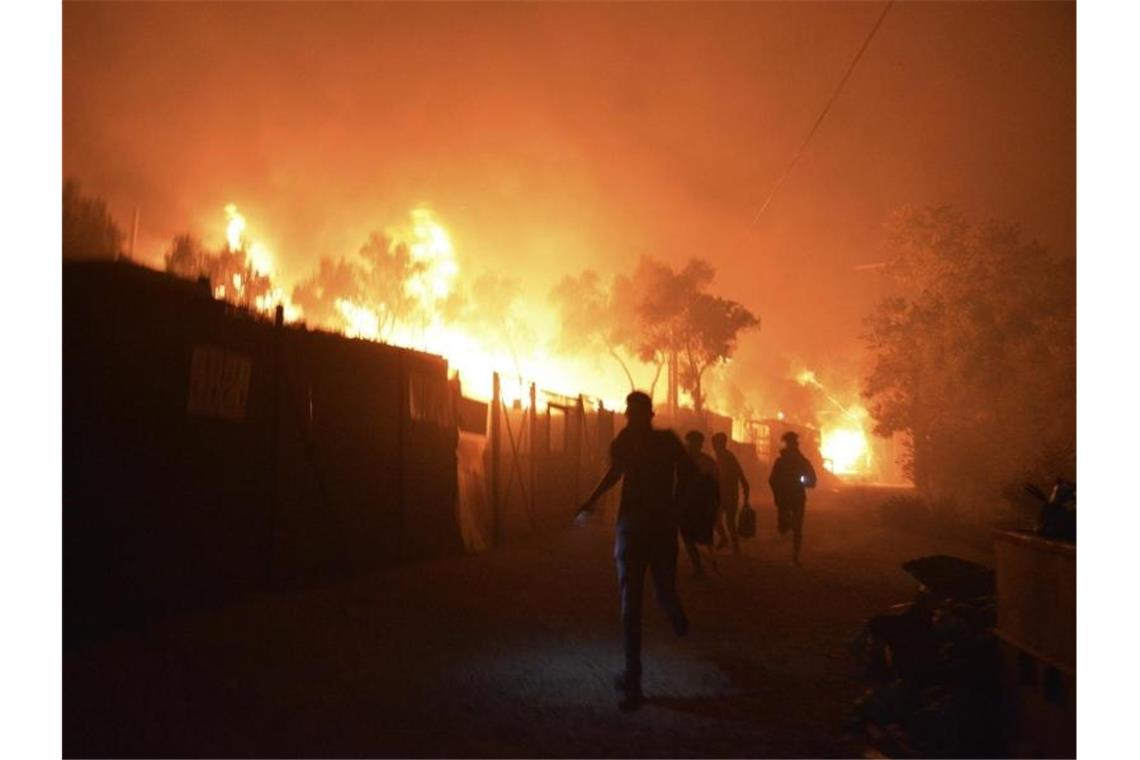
[(511, 653)]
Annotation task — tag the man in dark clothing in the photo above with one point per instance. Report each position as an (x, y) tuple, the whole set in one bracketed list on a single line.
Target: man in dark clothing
[(698, 491), (731, 481), (647, 462), (792, 473)]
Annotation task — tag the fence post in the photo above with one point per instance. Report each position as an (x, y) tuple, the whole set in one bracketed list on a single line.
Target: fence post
[(578, 439), (531, 445), (496, 421)]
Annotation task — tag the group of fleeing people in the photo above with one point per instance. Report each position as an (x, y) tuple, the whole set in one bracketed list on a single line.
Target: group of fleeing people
[(669, 488)]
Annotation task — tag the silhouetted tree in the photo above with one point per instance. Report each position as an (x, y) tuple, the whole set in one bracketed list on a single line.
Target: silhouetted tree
[(679, 321), (592, 318), (384, 282), (661, 316), (378, 280), (89, 231), (318, 294), (185, 257), (974, 356), (707, 337), (231, 274)]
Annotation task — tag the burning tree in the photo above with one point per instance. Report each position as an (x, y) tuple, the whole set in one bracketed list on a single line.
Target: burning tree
[(230, 270), (318, 295), (89, 231), (596, 319), (396, 284), (239, 272), (975, 356), (376, 284), (185, 257), (660, 316), (681, 323)]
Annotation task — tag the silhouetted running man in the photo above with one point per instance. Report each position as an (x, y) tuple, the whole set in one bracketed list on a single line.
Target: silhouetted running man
[(698, 492), (647, 462), (731, 481), (791, 474)]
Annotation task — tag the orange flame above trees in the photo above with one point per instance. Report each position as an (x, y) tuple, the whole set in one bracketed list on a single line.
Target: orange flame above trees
[(406, 287)]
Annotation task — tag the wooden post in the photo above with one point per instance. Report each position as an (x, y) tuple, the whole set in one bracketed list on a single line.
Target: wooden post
[(674, 388), (532, 447), (496, 434), (578, 438)]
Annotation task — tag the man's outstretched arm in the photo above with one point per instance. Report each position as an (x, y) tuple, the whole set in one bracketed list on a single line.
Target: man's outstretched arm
[(609, 480)]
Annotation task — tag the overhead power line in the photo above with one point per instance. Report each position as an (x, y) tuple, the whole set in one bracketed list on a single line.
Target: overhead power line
[(823, 114)]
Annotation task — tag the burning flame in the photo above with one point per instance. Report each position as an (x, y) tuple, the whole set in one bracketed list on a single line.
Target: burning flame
[(260, 257), (259, 263), (843, 443), (486, 344), (501, 340), (359, 321), (475, 350), (235, 228), (432, 281), (846, 448), (430, 246)]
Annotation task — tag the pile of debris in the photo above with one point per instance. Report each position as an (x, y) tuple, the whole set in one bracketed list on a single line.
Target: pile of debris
[(933, 667)]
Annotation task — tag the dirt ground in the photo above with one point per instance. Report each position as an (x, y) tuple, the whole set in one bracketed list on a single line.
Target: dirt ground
[(511, 653)]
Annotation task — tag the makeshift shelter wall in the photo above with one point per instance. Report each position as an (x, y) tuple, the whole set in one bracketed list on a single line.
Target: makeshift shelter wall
[(428, 460), (365, 482), (161, 508), (208, 453)]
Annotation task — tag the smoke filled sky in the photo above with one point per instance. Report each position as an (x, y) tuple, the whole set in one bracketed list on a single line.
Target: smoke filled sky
[(553, 138)]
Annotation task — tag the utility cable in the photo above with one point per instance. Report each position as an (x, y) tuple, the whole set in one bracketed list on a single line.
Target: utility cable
[(823, 114)]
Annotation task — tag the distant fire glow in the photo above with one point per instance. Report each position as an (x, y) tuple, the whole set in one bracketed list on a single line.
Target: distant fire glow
[(235, 226), (474, 349), (359, 321), (843, 441), (260, 257), (845, 449), (506, 339), (431, 247), (253, 289)]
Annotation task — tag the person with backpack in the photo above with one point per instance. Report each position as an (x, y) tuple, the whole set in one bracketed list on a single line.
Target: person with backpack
[(732, 480), (698, 493), (791, 475)]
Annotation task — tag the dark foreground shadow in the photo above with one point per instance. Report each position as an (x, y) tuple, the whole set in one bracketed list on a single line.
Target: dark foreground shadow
[(747, 707), (755, 694)]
